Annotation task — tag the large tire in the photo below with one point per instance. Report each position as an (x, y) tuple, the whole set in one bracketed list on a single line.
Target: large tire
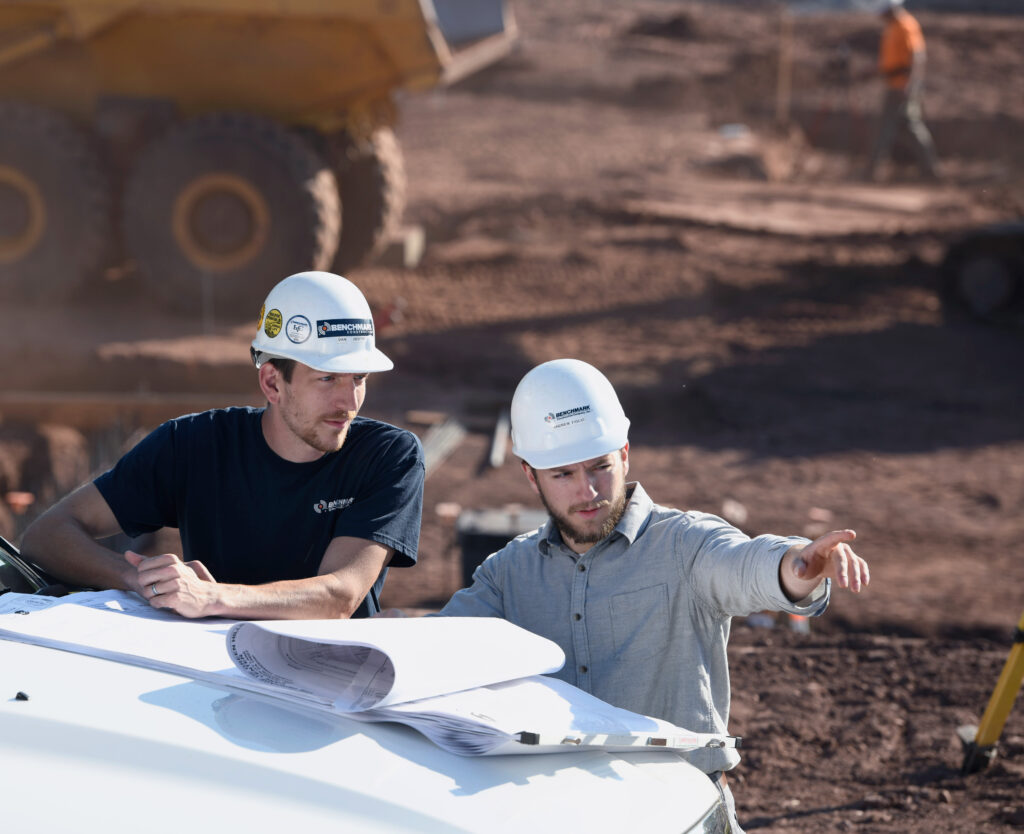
[(222, 207), (55, 211), (371, 181)]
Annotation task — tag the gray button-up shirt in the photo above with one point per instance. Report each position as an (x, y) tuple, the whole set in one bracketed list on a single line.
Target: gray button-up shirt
[(644, 615)]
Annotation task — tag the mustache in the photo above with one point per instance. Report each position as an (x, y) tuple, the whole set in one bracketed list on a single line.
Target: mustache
[(590, 505)]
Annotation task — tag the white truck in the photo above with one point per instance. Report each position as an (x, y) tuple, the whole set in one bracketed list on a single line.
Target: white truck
[(92, 744)]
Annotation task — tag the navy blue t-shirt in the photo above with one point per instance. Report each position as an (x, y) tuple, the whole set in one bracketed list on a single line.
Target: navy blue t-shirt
[(253, 517)]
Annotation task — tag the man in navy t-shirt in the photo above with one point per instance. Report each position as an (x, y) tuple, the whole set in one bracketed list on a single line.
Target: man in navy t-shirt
[(294, 510)]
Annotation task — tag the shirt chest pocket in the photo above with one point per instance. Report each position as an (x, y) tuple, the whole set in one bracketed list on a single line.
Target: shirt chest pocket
[(640, 622)]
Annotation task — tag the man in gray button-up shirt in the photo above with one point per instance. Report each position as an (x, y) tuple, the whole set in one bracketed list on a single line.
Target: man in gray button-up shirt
[(639, 596)]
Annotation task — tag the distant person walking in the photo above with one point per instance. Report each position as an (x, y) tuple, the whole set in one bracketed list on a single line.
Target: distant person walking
[(901, 61)]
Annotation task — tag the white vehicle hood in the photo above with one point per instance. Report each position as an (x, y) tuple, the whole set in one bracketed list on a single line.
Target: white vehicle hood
[(90, 744)]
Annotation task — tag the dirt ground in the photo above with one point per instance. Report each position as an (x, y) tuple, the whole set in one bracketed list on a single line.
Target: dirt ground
[(620, 190)]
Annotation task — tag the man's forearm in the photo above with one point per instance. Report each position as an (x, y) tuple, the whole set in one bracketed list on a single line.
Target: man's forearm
[(316, 598), (298, 599), (348, 571), (68, 553)]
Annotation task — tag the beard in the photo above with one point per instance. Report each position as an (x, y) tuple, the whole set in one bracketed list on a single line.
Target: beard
[(312, 432), (592, 534)]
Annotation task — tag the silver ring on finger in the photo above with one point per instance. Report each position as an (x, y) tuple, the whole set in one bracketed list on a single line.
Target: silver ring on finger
[(154, 590)]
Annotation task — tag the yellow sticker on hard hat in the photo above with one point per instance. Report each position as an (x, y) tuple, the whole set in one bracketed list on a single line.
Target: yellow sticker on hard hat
[(259, 321), (272, 325)]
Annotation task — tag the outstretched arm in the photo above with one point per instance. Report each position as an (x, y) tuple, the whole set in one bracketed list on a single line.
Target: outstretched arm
[(828, 557), (347, 572)]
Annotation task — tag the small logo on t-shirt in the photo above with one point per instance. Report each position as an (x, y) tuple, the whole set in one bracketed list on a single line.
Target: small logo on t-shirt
[(325, 506)]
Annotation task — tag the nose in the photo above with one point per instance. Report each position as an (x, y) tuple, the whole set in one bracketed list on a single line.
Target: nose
[(586, 487), (346, 395)]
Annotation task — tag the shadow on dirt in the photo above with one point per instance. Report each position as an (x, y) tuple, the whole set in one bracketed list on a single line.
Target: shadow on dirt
[(897, 381), (983, 637), (832, 395)]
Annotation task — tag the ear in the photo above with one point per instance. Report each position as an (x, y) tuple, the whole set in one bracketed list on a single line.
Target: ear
[(624, 451), (529, 475), (270, 382)]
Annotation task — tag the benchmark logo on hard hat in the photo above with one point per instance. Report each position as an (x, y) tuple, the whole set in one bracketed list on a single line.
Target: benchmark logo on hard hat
[(344, 327), (558, 416)]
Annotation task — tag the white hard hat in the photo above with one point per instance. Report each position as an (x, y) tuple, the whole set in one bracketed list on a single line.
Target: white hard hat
[(889, 5), (565, 412), (321, 320)]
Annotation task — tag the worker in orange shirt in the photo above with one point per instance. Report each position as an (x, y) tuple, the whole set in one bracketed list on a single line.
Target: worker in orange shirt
[(901, 61)]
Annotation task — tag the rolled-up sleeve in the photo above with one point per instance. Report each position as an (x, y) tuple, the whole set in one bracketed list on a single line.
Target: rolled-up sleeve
[(737, 575)]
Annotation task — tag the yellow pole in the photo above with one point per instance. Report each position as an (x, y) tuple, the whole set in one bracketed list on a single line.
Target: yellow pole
[(981, 749), (1003, 695)]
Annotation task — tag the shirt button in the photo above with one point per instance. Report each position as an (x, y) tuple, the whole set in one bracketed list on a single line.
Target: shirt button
[(577, 616), (582, 568), (583, 669)]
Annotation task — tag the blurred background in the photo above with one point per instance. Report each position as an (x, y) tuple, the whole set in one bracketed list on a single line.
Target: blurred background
[(674, 192)]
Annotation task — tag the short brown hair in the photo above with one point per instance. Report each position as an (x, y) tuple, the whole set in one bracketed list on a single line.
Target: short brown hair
[(285, 367)]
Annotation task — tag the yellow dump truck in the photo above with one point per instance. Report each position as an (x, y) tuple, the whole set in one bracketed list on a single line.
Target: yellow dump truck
[(218, 144)]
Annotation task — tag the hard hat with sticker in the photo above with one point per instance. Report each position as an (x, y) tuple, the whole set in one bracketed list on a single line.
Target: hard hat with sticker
[(566, 412), (325, 306)]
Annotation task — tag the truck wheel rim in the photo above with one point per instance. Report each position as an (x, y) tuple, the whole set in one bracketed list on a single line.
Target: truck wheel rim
[(220, 222), (22, 215)]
